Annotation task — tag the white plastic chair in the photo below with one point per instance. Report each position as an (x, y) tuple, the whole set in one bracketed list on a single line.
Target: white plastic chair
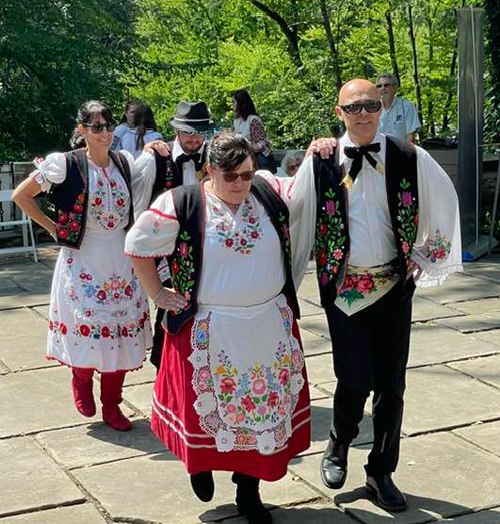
[(25, 222)]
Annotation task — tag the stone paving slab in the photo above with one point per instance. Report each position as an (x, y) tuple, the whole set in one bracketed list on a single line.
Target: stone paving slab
[(489, 516), (492, 337), (47, 402), (473, 323), (314, 344), (436, 344), (425, 309), (21, 489), (476, 307), (485, 436), (438, 397), (43, 311), (24, 352), (23, 298), (320, 369), (316, 324), (308, 290), (486, 369), (140, 397), (80, 514), (145, 375), (321, 416), (460, 287), (482, 270), (307, 308), (20, 322), (312, 514), (170, 500), (97, 444), (432, 472)]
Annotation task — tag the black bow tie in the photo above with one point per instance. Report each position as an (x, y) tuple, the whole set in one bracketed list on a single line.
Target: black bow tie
[(357, 154), (196, 158)]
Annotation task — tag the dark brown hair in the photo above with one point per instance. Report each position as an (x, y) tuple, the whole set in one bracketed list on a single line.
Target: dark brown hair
[(227, 151)]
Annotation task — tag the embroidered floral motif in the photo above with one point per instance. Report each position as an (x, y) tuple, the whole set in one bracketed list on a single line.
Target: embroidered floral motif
[(69, 224), (239, 239), (286, 236), (438, 248), (169, 174), (113, 291), (407, 216), (232, 402), (330, 239), (108, 205), (182, 266), (97, 330)]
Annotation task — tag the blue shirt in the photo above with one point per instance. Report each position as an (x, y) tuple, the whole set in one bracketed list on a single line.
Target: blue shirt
[(400, 119)]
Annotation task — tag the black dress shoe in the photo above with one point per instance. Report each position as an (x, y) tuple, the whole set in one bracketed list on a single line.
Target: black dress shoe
[(203, 485), (333, 467), (248, 499), (387, 493)]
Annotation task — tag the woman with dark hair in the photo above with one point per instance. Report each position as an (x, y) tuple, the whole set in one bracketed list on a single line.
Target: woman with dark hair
[(99, 315), (250, 125), (231, 393), (138, 129)]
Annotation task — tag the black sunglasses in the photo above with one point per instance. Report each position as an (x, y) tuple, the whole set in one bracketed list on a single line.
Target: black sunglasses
[(380, 86), (98, 128), (370, 106), (232, 177)]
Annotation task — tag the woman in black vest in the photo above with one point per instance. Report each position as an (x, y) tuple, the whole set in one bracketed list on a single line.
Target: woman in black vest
[(231, 392), (99, 315)]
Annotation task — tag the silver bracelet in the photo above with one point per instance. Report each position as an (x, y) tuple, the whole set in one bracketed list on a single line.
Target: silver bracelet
[(158, 295)]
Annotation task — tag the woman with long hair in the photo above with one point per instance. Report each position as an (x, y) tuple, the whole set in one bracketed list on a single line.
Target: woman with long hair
[(99, 314), (250, 125)]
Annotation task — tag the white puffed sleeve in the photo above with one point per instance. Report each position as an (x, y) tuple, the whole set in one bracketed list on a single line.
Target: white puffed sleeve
[(51, 171), (299, 195), (155, 231), (143, 173), (438, 247)]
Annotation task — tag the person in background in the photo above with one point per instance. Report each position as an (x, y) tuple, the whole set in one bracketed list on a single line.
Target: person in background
[(138, 129), (399, 116), (291, 162), (99, 314), (250, 125)]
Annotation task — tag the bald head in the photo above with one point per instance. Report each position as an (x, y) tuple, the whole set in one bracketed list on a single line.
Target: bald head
[(361, 124), (357, 88)]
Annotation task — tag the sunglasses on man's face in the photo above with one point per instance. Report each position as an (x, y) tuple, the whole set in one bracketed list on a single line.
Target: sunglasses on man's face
[(370, 106), (191, 133), (229, 177), (98, 127), (380, 86)]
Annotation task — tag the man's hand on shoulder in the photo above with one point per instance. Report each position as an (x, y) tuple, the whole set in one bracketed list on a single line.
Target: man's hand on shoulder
[(159, 146), (323, 146)]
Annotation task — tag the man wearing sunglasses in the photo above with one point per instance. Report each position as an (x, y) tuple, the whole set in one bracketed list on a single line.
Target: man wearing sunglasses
[(386, 214), (399, 117)]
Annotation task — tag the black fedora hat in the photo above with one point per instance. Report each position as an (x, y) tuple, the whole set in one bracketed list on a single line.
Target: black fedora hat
[(192, 116)]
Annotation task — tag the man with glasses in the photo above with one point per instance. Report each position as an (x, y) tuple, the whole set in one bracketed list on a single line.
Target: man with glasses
[(399, 117), (386, 214)]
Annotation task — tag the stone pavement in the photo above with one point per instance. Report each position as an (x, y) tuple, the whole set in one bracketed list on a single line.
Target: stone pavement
[(57, 467)]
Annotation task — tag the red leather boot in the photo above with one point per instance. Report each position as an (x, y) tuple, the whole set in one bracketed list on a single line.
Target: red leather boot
[(81, 384), (111, 396)]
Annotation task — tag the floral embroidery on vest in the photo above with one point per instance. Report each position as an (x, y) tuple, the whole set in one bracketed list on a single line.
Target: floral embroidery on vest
[(230, 401), (69, 224), (438, 248), (330, 239), (182, 266), (286, 236), (407, 216), (241, 240), (169, 175)]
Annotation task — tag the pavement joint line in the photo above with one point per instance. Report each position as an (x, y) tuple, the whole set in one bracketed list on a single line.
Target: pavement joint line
[(37, 313), (4, 366), (445, 429), (42, 508), (323, 390), (469, 441), (474, 377), (88, 496), (452, 361), (10, 308), (113, 461), (44, 430)]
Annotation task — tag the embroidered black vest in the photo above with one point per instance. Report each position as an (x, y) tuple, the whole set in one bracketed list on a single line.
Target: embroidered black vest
[(187, 258), (71, 197), (332, 228), (168, 173)]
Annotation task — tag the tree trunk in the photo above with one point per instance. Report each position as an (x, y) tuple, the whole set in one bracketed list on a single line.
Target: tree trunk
[(431, 125), (331, 43), (416, 77), (392, 46), (449, 98)]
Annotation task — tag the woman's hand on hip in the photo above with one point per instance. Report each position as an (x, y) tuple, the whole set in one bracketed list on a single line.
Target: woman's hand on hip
[(170, 300)]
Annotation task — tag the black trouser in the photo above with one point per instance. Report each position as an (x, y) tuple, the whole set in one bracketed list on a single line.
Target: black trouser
[(158, 339), (370, 353)]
